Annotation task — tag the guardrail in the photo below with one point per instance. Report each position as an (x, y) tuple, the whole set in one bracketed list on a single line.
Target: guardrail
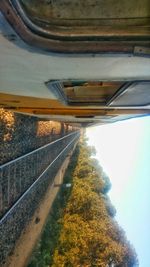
[(18, 216), (17, 175)]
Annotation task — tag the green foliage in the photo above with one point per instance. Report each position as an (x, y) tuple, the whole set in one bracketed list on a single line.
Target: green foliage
[(84, 232), (107, 184), (43, 253), (110, 208), (90, 236)]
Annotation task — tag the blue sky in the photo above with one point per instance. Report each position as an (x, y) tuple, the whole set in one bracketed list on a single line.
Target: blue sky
[(123, 150)]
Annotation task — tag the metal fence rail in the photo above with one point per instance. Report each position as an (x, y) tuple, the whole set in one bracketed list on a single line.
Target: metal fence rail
[(17, 175), (20, 213)]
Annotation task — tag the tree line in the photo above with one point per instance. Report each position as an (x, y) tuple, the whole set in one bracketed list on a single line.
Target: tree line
[(87, 233)]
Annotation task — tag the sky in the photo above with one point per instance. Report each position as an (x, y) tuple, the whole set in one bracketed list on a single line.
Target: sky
[(123, 150)]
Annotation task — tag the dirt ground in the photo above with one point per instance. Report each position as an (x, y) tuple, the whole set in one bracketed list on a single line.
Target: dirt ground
[(31, 234)]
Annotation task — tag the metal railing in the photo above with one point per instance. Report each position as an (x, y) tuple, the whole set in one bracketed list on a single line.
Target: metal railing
[(19, 214), (19, 174)]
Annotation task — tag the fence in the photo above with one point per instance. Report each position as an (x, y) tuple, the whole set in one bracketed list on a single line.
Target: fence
[(24, 183)]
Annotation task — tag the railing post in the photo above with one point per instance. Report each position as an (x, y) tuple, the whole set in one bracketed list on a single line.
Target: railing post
[(1, 193)]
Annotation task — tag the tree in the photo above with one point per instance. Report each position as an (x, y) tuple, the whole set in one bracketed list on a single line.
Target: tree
[(90, 235)]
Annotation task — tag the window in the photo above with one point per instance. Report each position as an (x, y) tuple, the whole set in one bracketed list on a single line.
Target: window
[(101, 93), (82, 26), (135, 94), (77, 92), (81, 12)]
